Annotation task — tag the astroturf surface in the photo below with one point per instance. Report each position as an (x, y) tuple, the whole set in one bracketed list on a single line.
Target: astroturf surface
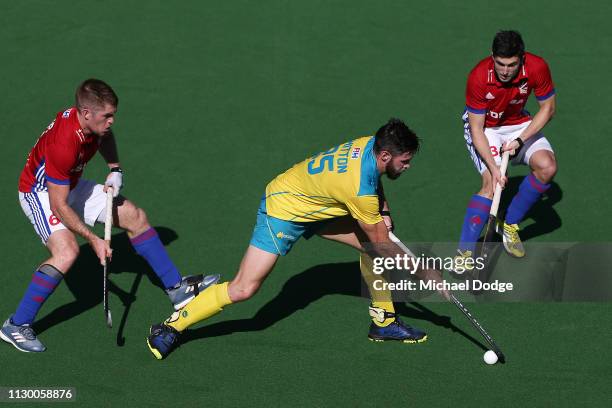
[(217, 98)]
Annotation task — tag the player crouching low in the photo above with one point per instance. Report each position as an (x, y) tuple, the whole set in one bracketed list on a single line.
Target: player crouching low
[(336, 194)]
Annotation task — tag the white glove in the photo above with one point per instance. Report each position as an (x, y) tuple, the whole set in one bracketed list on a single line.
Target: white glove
[(115, 180)]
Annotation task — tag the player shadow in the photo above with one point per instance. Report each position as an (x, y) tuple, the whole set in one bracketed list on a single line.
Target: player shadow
[(545, 217), (309, 286), (85, 282)]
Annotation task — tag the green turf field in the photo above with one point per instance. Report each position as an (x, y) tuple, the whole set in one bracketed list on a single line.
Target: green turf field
[(216, 98)]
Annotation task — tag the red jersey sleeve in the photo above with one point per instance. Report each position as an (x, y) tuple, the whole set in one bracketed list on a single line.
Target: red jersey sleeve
[(543, 86), (61, 157), (475, 91)]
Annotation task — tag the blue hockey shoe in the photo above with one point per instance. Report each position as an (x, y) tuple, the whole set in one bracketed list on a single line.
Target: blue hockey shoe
[(163, 340), (396, 331)]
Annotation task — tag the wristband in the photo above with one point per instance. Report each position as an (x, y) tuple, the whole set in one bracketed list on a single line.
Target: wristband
[(518, 149), (385, 213), (116, 170), (520, 142)]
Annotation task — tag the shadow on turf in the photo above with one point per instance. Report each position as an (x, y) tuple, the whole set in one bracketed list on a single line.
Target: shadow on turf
[(307, 287), (85, 282), (545, 217)]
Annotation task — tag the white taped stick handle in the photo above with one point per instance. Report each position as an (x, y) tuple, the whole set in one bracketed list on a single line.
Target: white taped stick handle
[(498, 187), (108, 221), (400, 244)]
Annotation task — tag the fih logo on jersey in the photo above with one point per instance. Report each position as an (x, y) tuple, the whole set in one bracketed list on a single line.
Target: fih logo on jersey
[(523, 89), (355, 152)]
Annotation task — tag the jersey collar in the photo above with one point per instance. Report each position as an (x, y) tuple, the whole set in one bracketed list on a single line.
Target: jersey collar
[(492, 77)]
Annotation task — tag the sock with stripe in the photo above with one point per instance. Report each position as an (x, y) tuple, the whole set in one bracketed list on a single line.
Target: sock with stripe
[(44, 281), (149, 246), (475, 218), (530, 191)]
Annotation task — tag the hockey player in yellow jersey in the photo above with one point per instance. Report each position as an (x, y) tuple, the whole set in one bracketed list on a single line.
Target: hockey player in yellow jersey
[(340, 181), (335, 194)]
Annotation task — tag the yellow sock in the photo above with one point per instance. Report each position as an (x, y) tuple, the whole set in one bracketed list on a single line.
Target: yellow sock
[(206, 304), (381, 300)]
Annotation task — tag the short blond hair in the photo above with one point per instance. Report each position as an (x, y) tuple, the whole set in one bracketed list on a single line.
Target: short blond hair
[(94, 93)]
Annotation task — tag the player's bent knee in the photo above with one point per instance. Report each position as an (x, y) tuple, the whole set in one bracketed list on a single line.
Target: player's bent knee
[(71, 251), (64, 249), (132, 217), (141, 217), (549, 173), (545, 169), (239, 292), (66, 257)]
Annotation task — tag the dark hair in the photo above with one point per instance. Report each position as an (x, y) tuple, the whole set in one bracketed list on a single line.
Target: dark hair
[(396, 138), (508, 44), (94, 93)]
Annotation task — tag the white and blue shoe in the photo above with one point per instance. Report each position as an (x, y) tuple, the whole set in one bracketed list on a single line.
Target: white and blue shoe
[(189, 288), (22, 337)]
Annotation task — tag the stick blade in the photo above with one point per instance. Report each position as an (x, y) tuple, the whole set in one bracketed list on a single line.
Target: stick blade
[(107, 312), (488, 242), (500, 356), (489, 236)]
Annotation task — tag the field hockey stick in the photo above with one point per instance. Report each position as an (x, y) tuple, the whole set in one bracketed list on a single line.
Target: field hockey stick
[(490, 228), (108, 225), (460, 305), (478, 327)]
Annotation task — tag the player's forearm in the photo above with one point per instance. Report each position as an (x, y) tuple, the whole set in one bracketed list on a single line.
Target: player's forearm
[(379, 243), (541, 118), (482, 147), (72, 221), (477, 125), (390, 250), (384, 248), (108, 150)]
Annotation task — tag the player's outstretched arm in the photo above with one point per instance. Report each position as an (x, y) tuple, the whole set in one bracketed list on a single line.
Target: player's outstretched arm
[(58, 200)]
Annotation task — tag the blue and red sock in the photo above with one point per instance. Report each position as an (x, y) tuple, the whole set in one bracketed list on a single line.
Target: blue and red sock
[(44, 281), (530, 191), (149, 246), (475, 218)]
